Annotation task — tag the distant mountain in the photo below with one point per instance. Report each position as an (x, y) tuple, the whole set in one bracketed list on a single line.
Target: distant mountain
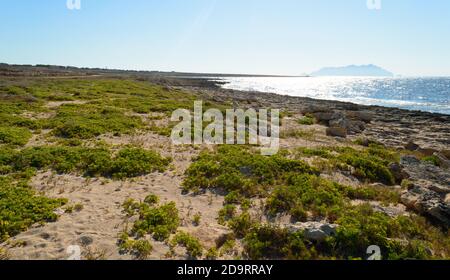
[(354, 70)]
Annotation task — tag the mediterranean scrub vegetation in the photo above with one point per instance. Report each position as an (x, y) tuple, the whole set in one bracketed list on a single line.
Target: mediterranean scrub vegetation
[(239, 170), (291, 187), (21, 207), (68, 115), (126, 163), (369, 164), (55, 125)]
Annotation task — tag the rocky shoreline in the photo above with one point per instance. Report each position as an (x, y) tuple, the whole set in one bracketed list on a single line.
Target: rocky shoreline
[(427, 134)]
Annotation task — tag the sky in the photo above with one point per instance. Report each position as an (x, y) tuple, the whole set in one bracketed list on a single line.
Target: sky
[(287, 37)]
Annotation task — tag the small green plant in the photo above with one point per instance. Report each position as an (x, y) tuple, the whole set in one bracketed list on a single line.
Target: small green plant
[(196, 219), (307, 120), (241, 224), (151, 199), (139, 248), (90, 120), (370, 164), (269, 242), (212, 254), (4, 255), (159, 221), (193, 247), (434, 160), (226, 213), (78, 207)]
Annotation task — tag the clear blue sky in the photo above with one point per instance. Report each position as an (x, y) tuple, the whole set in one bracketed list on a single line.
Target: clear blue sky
[(408, 37)]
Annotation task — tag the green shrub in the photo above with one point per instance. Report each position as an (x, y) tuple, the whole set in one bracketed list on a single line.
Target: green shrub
[(21, 207), (4, 255), (361, 226), (370, 164), (129, 162), (368, 168), (211, 254), (151, 199), (238, 169), (226, 213), (196, 219), (307, 120), (241, 224), (14, 135), (134, 162), (307, 193), (87, 121), (139, 248), (159, 221), (434, 160), (192, 244), (269, 242)]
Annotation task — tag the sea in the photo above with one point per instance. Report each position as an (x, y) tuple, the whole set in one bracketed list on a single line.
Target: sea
[(422, 94)]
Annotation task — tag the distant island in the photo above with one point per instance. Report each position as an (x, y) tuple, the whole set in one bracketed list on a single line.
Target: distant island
[(354, 70)]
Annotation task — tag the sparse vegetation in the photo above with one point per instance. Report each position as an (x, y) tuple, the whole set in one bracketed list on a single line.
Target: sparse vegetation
[(82, 111), (369, 164), (160, 221), (193, 246), (127, 163), (434, 160), (238, 169), (20, 207), (307, 120), (4, 255), (141, 249), (196, 220)]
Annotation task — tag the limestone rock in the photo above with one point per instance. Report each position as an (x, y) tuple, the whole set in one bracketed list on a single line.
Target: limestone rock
[(364, 116), (446, 153), (411, 146), (427, 202), (315, 231), (398, 172), (337, 132)]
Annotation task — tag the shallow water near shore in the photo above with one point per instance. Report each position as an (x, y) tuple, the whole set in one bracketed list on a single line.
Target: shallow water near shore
[(423, 94)]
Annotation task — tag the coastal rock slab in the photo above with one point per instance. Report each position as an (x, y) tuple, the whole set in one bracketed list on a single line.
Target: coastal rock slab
[(429, 192), (315, 231), (428, 202), (337, 132)]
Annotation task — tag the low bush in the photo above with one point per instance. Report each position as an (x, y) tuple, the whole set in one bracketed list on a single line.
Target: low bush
[(434, 160), (88, 120), (361, 226), (14, 135), (307, 120), (139, 248), (307, 193), (193, 246), (134, 162), (226, 214), (21, 207), (128, 163), (269, 242), (370, 164), (239, 170), (160, 221)]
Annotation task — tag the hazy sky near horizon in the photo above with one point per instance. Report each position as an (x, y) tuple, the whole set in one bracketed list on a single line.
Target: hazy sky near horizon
[(407, 37)]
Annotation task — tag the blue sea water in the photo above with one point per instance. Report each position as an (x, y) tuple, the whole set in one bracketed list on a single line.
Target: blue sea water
[(423, 94)]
